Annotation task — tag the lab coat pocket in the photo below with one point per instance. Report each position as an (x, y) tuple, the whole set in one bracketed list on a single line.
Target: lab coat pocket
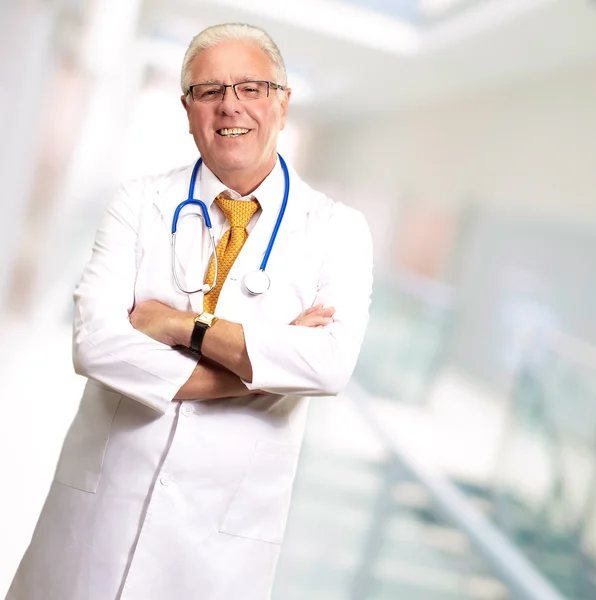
[(81, 460), (259, 508)]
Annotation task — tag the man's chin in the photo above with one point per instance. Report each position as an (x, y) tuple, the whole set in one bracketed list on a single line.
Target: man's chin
[(233, 160), (233, 165)]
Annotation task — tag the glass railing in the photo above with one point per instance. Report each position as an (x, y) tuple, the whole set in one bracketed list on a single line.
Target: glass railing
[(362, 528), (410, 321), (544, 488), (541, 491)]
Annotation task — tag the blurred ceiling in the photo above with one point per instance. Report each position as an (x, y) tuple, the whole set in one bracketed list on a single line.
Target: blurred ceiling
[(347, 56)]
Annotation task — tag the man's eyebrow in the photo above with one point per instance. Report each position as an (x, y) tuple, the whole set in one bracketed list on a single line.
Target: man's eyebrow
[(244, 78), (241, 79)]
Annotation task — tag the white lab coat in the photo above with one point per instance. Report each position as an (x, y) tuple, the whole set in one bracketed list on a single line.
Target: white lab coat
[(160, 500)]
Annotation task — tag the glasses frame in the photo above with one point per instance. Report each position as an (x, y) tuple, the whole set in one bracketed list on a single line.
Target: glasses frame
[(270, 84)]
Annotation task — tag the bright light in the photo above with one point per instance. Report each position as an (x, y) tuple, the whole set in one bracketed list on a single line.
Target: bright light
[(434, 8), (339, 20)]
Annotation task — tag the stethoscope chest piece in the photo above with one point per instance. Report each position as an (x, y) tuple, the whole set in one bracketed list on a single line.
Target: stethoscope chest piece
[(257, 282)]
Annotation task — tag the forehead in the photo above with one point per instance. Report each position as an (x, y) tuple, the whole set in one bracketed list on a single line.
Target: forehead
[(228, 62)]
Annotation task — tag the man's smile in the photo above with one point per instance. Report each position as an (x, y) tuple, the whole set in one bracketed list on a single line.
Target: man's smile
[(232, 132)]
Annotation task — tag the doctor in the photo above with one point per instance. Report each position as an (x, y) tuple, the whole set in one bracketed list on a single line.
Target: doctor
[(175, 477)]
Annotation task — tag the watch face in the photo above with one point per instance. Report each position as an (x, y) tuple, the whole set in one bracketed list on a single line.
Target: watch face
[(206, 318)]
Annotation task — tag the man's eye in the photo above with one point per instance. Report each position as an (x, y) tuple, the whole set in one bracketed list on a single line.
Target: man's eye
[(208, 93)]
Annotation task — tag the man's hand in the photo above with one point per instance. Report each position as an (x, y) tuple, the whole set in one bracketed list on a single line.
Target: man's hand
[(210, 381), (162, 323), (315, 316)]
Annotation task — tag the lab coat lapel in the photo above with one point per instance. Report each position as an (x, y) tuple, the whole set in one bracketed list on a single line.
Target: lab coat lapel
[(189, 239)]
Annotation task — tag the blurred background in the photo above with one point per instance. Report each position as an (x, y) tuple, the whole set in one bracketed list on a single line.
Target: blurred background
[(461, 462)]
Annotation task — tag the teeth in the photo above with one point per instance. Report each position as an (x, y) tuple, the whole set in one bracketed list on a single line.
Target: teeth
[(234, 131)]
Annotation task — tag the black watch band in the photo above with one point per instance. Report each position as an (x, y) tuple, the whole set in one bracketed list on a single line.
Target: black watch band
[(196, 338)]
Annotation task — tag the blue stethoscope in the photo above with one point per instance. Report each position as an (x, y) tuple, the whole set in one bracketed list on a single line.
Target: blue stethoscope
[(256, 282)]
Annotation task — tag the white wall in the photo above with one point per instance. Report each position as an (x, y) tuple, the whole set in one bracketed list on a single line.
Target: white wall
[(527, 149), (525, 158), (26, 33)]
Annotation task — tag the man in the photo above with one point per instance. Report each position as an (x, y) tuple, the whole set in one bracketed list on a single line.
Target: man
[(175, 478)]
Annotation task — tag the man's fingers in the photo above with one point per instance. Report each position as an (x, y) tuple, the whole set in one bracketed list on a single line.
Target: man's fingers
[(325, 311), (314, 321), (306, 313), (315, 316)]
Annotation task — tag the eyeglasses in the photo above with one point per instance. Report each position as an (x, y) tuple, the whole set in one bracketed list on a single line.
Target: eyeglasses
[(245, 90)]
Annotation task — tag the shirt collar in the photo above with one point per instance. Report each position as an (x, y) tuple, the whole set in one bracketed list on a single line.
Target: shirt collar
[(269, 193)]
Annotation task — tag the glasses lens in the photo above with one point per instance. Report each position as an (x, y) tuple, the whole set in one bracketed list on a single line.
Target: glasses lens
[(207, 92), (252, 90)]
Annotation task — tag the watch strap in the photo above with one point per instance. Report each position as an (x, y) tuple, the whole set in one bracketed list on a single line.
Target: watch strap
[(196, 338)]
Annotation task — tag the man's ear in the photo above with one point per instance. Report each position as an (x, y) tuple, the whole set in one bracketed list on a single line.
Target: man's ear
[(284, 106), (187, 109)]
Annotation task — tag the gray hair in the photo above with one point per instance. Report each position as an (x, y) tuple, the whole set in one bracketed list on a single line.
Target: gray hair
[(237, 32)]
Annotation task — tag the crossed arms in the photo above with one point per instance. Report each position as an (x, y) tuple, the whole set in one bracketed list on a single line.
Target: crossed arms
[(125, 339), (227, 362)]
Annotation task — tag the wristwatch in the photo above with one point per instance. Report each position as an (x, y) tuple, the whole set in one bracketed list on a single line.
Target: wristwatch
[(202, 323)]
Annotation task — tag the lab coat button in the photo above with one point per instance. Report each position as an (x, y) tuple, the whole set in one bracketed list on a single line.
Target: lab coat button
[(188, 410), (165, 479)]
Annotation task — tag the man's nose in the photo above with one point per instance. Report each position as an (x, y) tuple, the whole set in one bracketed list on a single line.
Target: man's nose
[(230, 103)]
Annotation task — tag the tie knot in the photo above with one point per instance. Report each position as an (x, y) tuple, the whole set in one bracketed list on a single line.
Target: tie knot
[(237, 212)]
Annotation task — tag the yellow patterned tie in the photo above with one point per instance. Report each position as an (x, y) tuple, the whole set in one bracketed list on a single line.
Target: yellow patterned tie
[(238, 213)]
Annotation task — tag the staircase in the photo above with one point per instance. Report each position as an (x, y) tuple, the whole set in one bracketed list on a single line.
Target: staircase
[(359, 529)]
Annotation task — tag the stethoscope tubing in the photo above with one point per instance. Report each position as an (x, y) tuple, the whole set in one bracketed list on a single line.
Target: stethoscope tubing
[(205, 288), (205, 212), (280, 216)]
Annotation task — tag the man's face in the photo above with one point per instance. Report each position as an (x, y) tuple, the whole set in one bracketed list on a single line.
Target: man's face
[(251, 154)]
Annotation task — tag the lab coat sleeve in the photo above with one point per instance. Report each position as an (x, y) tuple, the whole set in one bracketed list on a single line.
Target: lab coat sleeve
[(289, 359), (105, 345)]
